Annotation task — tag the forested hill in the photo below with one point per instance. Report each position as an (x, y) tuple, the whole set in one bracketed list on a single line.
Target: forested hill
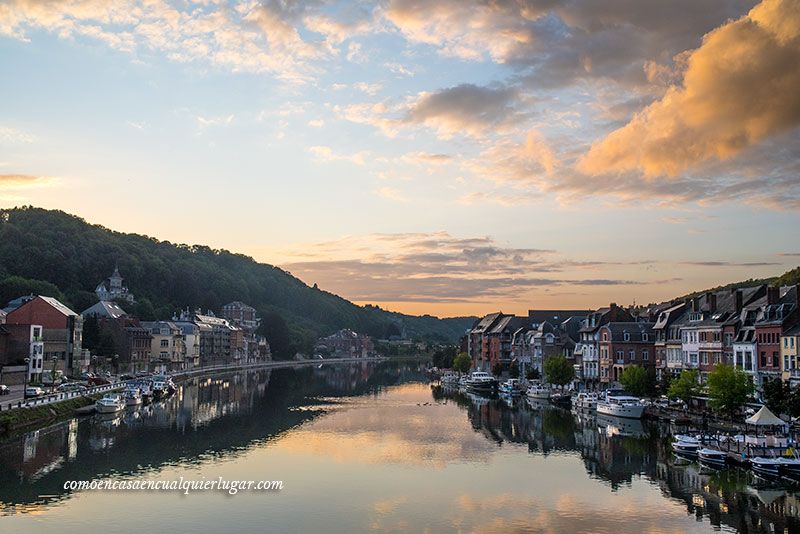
[(54, 253)]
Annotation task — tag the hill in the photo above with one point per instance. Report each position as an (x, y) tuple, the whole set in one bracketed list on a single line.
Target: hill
[(54, 253)]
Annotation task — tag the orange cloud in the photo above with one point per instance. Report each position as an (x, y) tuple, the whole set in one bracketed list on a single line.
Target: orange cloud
[(739, 88)]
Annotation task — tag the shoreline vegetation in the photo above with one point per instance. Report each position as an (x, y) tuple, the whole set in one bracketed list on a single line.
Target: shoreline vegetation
[(18, 420)]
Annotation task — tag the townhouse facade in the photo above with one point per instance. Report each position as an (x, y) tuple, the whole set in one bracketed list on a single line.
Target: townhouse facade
[(622, 345), (586, 349)]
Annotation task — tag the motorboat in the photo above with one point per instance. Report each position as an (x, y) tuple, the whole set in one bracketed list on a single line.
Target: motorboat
[(481, 382), (510, 387), (790, 468), (110, 403), (686, 448), (449, 379), (538, 392), (585, 401), (712, 457), (621, 406), (133, 397), (163, 386), (766, 467)]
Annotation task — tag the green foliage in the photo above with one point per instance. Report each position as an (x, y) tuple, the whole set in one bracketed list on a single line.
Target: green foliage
[(789, 278), (532, 374), (665, 382), (558, 371), (729, 388), (44, 251), (685, 387), (12, 287), (497, 369), (462, 362), (638, 381), (777, 395), (513, 370), (444, 356)]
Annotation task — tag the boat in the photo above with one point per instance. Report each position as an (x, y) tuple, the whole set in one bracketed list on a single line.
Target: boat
[(110, 403), (686, 446), (621, 406), (481, 382), (712, 457), (790, 468), (585, 401), (133, 397), (769, 468), (538, 392), (163, 386), (510, 387), (449, 379)]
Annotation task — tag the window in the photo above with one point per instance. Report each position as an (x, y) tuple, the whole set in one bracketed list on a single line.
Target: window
[(632, 355), (786, 343), (728, 340), (620, 355), (164, 343), (776, 361), (645, 337), (605, 336), (645, 355), (626, 336), (763, 359), (704, 358), (786, 363)]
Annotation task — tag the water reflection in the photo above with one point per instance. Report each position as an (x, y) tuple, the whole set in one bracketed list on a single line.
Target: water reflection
[(373, 447)]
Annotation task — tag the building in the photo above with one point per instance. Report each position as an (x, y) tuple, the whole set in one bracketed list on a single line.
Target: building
[(132, 343), (112, 288), (241, 315), (215, 338), (251, 347), (21, 341), (167, 350), (790, 341), (345, 344), (586, 349), (478, 344), (623, 345), (105, 309), (62, 331), (779, 315), (498, 341), (191, 342)]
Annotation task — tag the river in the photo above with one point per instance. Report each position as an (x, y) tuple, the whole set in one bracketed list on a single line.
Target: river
[(370, 447)]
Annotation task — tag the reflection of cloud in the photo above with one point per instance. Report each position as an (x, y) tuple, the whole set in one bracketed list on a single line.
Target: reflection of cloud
[(388, 506)]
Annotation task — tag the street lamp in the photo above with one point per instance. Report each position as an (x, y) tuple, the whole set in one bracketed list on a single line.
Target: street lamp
[(25, 380)]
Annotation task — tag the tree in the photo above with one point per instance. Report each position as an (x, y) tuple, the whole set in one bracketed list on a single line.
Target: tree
[(665, 382), (274, 328), (533, 374), (729, 388), (558, 370), (777, 395), (685, 387), (462, 362), (637, 381), (513, 370)]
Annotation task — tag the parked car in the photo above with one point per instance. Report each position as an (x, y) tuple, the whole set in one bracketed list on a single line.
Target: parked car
[(33, 391), (71, 386), (126, 377), (4, 389), (98, 381)]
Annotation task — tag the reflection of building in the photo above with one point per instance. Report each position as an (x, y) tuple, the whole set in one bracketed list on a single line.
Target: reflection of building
[(112, 289)]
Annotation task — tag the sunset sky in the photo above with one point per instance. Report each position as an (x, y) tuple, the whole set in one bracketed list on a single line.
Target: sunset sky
[(445, 157)]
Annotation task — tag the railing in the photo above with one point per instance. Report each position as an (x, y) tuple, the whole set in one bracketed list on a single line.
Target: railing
[(62, 396)]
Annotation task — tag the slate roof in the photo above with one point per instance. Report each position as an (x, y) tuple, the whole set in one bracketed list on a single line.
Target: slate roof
[(636, 331), (105, 308)]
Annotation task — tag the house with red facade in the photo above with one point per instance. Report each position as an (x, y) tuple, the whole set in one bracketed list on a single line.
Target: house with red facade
[(623, 345), (779, 315), (62, 331)]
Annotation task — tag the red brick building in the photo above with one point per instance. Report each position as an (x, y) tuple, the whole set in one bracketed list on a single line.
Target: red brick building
[(623, 345)]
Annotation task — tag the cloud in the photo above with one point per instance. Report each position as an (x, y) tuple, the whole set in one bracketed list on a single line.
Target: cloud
[(391, 193), (19, 181), (465, 108), (12, 136), (316, 123), (326, 154), (438, 267), (266, 37), (739, 88), (729, 264)]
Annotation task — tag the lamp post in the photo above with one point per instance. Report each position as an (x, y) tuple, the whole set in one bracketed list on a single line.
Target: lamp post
[(25, 379)]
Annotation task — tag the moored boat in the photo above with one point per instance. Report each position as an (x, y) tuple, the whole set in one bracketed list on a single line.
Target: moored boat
[(538, 392), (712, 457), (766, 467), (110, 403), (510, 387), (686, 448), (585, 401), (481, 382), (133, 397), (621, 406)]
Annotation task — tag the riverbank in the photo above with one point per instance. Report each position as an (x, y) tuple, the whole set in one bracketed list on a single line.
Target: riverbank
[(26, 418)]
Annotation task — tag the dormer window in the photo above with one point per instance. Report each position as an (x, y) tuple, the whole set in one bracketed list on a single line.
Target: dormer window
[(626, 336), (645, 337)]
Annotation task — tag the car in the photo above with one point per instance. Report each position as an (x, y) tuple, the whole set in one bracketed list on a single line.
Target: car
[(33, 391), (4, 389), (71, 386)]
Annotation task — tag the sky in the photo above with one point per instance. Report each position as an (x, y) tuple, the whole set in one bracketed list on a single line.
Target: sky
[(446, 157)]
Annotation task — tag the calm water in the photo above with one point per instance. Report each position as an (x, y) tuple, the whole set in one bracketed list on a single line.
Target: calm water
[(370, 448)]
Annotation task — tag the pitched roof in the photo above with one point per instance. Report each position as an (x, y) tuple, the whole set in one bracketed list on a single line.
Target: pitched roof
[(764, 417), (635, 331), (105, 308)]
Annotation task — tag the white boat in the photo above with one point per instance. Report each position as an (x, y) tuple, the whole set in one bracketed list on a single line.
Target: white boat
[(585, 401), (133, 397), (713, 457), (766, 467), (686, 448), (449, 379), (538, 392), (110, 403), (621, 406), (510, 387), (481, 381)]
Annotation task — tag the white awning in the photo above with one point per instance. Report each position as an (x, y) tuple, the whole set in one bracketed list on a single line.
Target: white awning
[(764, 417)]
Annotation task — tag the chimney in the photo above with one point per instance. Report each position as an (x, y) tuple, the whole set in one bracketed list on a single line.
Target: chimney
[(738, 300), (696, 304), (711, 299), (773, 295)]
